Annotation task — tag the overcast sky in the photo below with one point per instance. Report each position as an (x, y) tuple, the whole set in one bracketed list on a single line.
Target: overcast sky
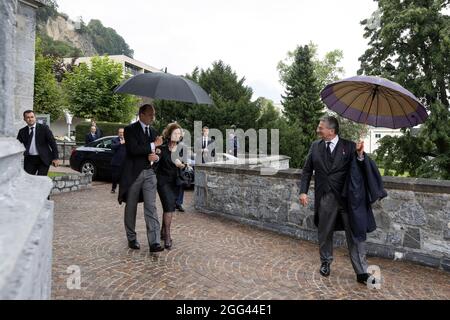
[(250, 35)]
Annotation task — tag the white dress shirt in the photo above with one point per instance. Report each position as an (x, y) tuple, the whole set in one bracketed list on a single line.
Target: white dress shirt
[(334, 143), (205, 142), (152, 144), (33, 150)]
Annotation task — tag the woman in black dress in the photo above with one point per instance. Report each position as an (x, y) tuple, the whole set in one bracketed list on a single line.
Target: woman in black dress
[(166, 173)]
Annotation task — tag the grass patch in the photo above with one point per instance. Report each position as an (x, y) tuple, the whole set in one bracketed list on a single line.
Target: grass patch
[(56, 174), (405, 175)]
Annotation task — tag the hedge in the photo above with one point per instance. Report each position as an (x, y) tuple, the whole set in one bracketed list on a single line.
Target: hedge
[(108, 129)]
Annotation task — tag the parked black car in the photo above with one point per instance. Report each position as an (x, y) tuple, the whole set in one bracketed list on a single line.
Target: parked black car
[(94, 158)]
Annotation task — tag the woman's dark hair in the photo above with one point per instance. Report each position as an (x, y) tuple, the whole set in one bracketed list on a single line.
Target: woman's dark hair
[(167, 132)]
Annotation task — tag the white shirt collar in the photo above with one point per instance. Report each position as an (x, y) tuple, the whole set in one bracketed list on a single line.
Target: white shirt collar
[(334, 141), (143, 125)]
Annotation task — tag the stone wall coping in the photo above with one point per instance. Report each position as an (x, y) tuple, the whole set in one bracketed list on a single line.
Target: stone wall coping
[(400, 183)]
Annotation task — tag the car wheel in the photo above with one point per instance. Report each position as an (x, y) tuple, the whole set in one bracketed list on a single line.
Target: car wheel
[(88, 167)]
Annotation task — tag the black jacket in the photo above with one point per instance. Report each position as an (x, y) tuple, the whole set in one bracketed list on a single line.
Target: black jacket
[(363, 187), (137, 150), (89, 138), (44, 140), (211, 146), (119, 150), (327, 178), (165, 168)]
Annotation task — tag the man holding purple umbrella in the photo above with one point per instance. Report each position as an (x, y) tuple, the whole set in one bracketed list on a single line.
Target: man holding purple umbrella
[(331, 160)]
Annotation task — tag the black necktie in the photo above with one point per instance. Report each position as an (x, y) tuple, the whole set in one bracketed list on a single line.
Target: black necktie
[(328, 154), (204, 143), (146, 132)]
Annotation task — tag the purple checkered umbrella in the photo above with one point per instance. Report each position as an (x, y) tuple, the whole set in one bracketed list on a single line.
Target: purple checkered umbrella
[(374, 101)]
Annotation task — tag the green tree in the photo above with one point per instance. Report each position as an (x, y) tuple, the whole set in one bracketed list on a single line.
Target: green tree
[(301, 102), (268, 114), (410, 44), (232, 98), (49, 10), (232, 101), (48, 96), (106, 40), (89, 91), (57, 48)]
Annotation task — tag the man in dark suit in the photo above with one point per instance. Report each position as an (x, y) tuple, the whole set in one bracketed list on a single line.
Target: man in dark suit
[(40, 146), (98, 131), (330, 159), (138, 179), (119, 149), (91, 136), (206, 145)]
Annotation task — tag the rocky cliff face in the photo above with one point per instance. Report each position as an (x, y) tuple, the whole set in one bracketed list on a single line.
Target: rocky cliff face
[(63, 29)]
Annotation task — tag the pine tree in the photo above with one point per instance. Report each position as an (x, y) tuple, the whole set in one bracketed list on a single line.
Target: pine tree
[(301, 102)]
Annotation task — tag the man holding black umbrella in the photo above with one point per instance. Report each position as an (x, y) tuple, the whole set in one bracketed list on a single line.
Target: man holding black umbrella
[(330, 158), (138, 179)]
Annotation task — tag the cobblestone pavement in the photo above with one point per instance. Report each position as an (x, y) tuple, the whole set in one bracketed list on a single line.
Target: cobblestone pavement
[(212, 258)]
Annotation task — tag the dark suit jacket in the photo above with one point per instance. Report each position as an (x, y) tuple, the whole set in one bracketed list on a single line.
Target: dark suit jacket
[(137, 150), (89, 138), (99, 133), (44, 140), (327, 178), (211, 149), (363, 187), (119, 150)]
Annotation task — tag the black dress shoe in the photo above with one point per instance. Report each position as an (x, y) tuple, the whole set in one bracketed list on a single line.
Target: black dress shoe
[(134, 245), (156, 248), (179, 208), (325, 269), (168, 244), (363, 277)]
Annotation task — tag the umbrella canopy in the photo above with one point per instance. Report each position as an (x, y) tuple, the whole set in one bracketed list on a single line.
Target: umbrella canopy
[(164, 86), (374, 101)]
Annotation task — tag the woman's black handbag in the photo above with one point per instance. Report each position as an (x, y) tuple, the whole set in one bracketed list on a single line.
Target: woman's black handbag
[(185, 176)]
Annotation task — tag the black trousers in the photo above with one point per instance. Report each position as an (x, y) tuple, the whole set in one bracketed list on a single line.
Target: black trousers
[(34, 165), (116, 172)]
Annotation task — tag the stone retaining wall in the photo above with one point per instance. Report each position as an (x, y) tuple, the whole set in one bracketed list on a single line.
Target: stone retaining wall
[(413, 221), (71, 182), (65, 149)]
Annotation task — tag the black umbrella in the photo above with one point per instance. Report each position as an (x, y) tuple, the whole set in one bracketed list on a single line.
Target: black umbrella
[(164, 86)]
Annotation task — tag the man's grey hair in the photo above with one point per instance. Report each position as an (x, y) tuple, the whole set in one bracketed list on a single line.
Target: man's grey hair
[(331, 122)]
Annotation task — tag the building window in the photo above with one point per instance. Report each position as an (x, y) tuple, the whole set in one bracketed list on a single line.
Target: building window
[(377, 135), (131, 69)]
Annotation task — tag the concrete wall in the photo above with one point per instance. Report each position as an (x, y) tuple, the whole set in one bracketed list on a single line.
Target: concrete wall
[(26, 217), (60, 129), (24, 61), (413, 221)]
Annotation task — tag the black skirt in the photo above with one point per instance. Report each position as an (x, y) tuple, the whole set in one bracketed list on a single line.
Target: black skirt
[(168, 193)]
